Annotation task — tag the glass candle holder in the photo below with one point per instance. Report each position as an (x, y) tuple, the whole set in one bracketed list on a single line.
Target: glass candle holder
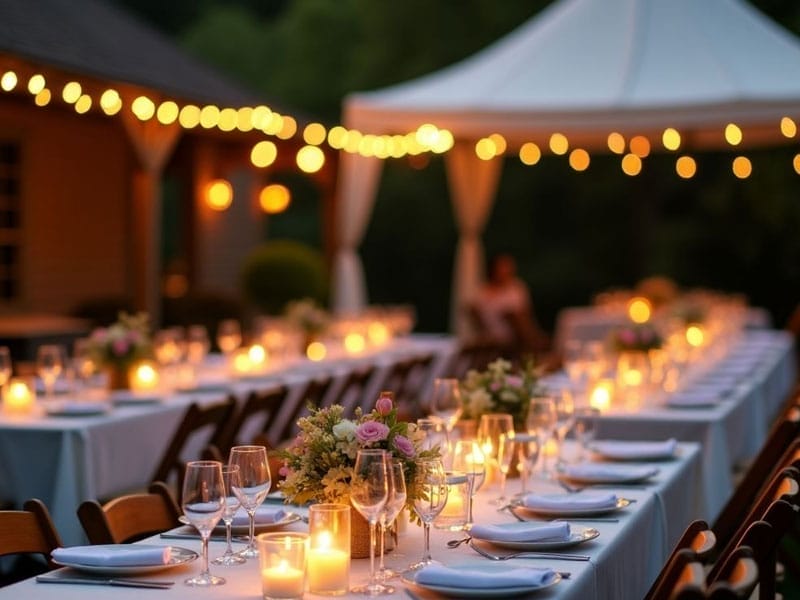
[(19, 395), (329, 549), (455, 514), (282, 557)]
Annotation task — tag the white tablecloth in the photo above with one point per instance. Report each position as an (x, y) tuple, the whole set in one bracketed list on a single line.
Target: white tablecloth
[(625, 558)]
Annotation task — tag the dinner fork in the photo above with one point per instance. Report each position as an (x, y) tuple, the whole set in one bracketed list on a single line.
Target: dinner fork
[(550, 555)]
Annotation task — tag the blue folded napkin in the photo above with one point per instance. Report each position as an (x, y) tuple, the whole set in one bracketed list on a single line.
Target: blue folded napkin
[(579, 501), (473, 578), (114, 555), (522, 532), (265, 515), (604, 472), (633, 450)]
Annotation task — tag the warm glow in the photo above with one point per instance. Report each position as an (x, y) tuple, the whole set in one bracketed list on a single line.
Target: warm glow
[(167, 112), (632, 377), (616, 143), (241, 361), (71, 92), (274, 198), (18, 396), (8, 81), (377, 333), (742, 167), (695, 336), (444, 143), (260, 117), (314, 134), (530, 154), (219, 194), (145, 376), (42, 98), (209, 116), (500, 144), (788, 127), (110, 102), (244, 119), (288, 128), (83, 104), (640, 146), (796, 163), (228, 119), (579, 159), (485, 149), (559, 143), (733, 135), (310, 159), (36, 84), (189, 116), (354, 343), (257, 355), (143, 108), (639, 310), (631, 164), (264, 154), (337, 137), (601, 395), (427, 134), (316, 351), (686, 167), (671, 139)]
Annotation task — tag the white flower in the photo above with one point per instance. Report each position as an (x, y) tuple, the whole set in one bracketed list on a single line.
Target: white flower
[(345, 430), (479, 402)]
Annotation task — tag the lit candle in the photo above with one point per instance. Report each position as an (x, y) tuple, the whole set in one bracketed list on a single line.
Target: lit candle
[(354, 343), (18, 397), (241, 363), (145, 376), (455, 503), (282, 581), (378, 333), (601, 395), (328, 568), (316, 351), (258, 357)]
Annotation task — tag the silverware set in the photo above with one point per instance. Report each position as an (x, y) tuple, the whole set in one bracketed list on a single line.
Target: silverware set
[(115, 582)]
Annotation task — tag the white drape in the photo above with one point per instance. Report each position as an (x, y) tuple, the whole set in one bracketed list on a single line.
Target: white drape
[(473, 185), (357, 188)]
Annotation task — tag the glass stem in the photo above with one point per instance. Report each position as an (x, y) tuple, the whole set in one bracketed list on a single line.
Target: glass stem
[(426, 554), (503, 476), (204, 538), (372, 579), (229, 549), (382, 567), (252, 543)]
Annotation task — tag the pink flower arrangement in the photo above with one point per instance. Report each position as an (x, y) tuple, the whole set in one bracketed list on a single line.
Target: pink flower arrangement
[(122, 343), (635, 338)]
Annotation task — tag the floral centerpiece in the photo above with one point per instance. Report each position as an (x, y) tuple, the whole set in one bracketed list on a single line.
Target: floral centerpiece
[(308, 317), (319, 463), (635, 338), (120, 345), (498, 389)]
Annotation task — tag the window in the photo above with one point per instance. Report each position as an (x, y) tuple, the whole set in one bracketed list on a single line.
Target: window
[(10, 222)]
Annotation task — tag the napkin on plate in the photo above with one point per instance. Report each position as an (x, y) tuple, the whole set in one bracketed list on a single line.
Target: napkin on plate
[(632, 450), (473, 578), (691, 398), (265, 515), (579, 501), (114, 555), (522, 532), (604, 472)]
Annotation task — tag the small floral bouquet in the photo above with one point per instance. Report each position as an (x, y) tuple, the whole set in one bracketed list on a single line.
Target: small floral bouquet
[(123, 343), (499, 390), (318, 464), (306, 316), (635, 338)]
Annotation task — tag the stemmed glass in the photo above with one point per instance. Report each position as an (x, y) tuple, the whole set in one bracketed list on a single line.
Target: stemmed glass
[(468, 459), (254, 483), (229, 336), (528, 448), (203, 504), (395, 501), (432, 482), (565, 419), (230, 477), (541, 421), (5, 365), (585, 425), (49, 365), (490, 428), (369, 490), (446, 403), (435, 435), (505, 454)]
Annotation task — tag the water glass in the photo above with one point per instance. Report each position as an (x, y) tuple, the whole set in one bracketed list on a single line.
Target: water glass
[(254, 483), (585, 426), (369, 491), (49, 365), (230, 477), (395, 501), (446, 402), (432, 482), (203, 504)]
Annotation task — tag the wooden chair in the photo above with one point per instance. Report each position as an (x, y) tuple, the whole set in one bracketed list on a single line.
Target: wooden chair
[(686, 578), (28, 532), (314, 394), (699, 540), (738, 577), (476, 354), (676, 573), (262, 406), (405, 380), (129, 518), (353, 389), (196, 417)]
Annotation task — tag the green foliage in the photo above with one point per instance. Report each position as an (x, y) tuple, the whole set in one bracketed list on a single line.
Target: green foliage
[(280, 271)]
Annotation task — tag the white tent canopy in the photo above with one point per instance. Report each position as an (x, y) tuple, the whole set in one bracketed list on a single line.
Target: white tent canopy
[(583, 68)]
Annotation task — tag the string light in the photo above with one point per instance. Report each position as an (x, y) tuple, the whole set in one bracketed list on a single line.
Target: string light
[(274, 198), (8, 81), (742, 167), (110, 102), (671, 139), (263, 154), (529, 153), (640, 146), (616, 142), (219, 194), (143, 108), (83, 104), (72, 92), (579, 159), (686, 167), (796, 163), (310, 159), (485, 149), (559, 143), (631, 164), (733, 135), (36, 84), (788, 127), (43, 97)]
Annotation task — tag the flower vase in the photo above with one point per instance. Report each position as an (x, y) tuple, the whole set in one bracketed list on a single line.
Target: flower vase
[(117, 377)]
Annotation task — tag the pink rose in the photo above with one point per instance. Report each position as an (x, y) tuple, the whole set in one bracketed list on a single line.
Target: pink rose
[(404, 445), (514, 381), (120, 347), (384, 405), (627, 337), (284, 471), (99, 335), (371, 431), (495, 386)]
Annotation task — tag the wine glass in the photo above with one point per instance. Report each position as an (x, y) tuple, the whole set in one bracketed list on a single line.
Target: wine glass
[(490, 428), (435, 435), (541, 421), (203, 504), (254, 483), (49, 365), (565, 419), (83, 365), (585, 426), (468, 459), (505, 454), (230, 478), (432, 482), (197, 344), (395, 501), (229, 336), (369, 490), (527, 447), (446, 403), (5, 365)]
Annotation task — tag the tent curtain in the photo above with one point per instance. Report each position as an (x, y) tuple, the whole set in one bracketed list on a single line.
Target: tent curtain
[(473, 185), (357, 187)]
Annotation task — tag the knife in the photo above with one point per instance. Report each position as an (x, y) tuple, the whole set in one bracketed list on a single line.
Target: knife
[(196, 536), (137, 583)]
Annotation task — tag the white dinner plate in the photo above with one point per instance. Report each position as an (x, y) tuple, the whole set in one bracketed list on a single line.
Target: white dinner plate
[(574, 512), (178, 556), (575, 538), (641, 474), (467, 592), (288, 518), (64, 408)]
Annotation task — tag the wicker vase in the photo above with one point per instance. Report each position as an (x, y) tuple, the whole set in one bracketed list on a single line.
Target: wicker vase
[(117, 377), (359, 536)]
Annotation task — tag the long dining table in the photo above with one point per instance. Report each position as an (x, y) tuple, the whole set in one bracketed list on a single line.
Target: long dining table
[(623, 560)]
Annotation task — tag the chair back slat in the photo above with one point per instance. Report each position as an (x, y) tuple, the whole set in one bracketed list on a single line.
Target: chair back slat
[(262, 406), (28, 531)]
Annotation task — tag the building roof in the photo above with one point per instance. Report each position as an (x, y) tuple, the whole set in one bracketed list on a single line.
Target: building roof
[(97, 38)]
